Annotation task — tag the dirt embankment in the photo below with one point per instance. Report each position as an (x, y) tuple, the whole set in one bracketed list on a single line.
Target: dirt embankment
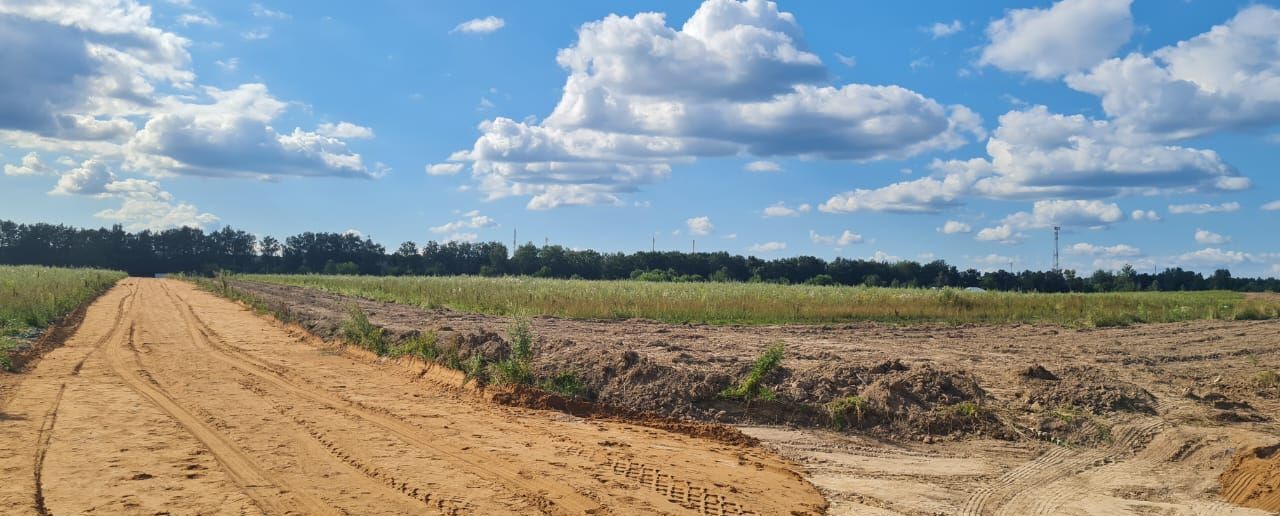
[(930, 380)]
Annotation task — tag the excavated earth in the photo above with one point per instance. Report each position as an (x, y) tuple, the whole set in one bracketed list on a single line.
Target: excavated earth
[(169, 400), (1175, 418)]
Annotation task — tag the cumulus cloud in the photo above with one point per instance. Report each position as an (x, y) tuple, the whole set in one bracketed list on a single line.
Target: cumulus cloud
[(1272, 206), (736, 79), (29, 166), (1045, 214), (444, 169), (1226, 78), (881, 256), (471, 220), (780, 209), (1147, 215), (1212, 256), (189, 19), (486, 25), (262, 12), (144, 205), (1205, 237), (346, 130), (952, 227), (103, 67), (1069, 36), (767, 247), (942, 30), (1203, 208), (700, 226), (846, 238), (1087, 249), (763, 166), (924, 195)]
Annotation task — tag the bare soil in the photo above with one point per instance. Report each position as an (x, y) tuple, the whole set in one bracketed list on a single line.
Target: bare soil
[(169, 400), (970, 419)]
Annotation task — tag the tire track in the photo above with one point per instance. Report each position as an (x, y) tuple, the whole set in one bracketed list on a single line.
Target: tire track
[(270, 493), (536, 490), (690, 495), (45, 435), (1037, 479)]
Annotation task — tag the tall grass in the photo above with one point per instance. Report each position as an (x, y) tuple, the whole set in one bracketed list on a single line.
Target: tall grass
[(32, 298), (754, 303)]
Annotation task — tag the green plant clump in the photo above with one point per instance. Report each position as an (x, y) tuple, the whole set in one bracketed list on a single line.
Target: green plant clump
[(515, 369), (847, 412), (752, 387), (564, 383), (359, 331)]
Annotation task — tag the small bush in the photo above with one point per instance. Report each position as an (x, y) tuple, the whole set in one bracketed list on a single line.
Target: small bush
[(1251, 313), (7, 346), (847, 412), (424, 346), (515, 369), (965, 410), (565, 383), (1268, 379), (751, 388), (359, 331), (475, 370)]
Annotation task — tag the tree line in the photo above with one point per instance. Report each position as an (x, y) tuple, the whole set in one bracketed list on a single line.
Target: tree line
[(192, 250)]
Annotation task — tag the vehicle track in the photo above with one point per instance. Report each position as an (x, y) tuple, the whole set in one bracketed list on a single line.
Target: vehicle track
[(268, 491), (565, 499)]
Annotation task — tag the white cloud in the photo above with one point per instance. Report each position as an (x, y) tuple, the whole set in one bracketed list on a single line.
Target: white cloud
[(780, 209), (257, 34), (1004, 234), (486, 25), (700, 226), (1045, 214), (1206, 237), (471, 220), (29, 166), (942, 30), (229, 65), (849, 61), (1203, 208), (1047, 43), (1083, 248), (1147, 215), (952, 227), (1226, 78), (90, 178), (189, 19), (1272, 206), (1212, 256), (882, 256), (346, 130), (763, 166), (735, 79), (924, 195), (463, 237), (444, 169), (767, 247), (846, 238), (262, 12), (993, 260)]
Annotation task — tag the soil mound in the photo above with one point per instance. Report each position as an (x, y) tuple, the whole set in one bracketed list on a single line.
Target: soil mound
[(633, 381), (1082, 388), (1253, 480)]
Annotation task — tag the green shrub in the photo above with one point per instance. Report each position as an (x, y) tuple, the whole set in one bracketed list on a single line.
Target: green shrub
[(846, 412), (474, 369), (751, 388), (359, 331), (515, 369), (565, 383), (424, 346)]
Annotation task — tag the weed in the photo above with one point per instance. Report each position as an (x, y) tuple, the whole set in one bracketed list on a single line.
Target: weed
[(1067, 414), (475, 370), (965, 410), (751, 388), (423, 346), (7, 345), (846, 412), (565, 383), (1268, 379), (515, 369), (359, 331)]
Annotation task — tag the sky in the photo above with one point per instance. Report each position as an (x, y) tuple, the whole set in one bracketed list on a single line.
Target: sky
[(1148, 131)]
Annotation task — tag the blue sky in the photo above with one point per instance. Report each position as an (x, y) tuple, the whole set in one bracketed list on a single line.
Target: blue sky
[(956, 130)]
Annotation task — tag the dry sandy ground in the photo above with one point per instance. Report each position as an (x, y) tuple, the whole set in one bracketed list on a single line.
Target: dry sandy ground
[(1207, 410), (168, 400)]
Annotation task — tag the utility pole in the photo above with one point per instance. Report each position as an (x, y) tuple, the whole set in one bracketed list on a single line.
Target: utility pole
[(653, 243), (695, 247), (1055, 248), (513, 242), (546, 241)]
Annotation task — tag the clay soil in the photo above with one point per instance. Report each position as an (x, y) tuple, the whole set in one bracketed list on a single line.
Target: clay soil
[(1016, 419), (169, 400)]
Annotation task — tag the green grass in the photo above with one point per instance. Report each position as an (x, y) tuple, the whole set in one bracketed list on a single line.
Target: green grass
[(32, 298), (752, 386), (754, 303)]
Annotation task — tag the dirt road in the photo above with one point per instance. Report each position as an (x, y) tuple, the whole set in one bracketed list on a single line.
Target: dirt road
[(170, 400)]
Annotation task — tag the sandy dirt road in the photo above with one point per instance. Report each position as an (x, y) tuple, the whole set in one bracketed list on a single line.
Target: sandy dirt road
[(168, 400)]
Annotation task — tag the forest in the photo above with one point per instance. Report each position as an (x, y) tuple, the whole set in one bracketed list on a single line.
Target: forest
[(191, 250)]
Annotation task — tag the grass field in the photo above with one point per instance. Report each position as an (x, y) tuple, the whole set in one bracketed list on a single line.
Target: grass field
[(753, 303), (32, 298)]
